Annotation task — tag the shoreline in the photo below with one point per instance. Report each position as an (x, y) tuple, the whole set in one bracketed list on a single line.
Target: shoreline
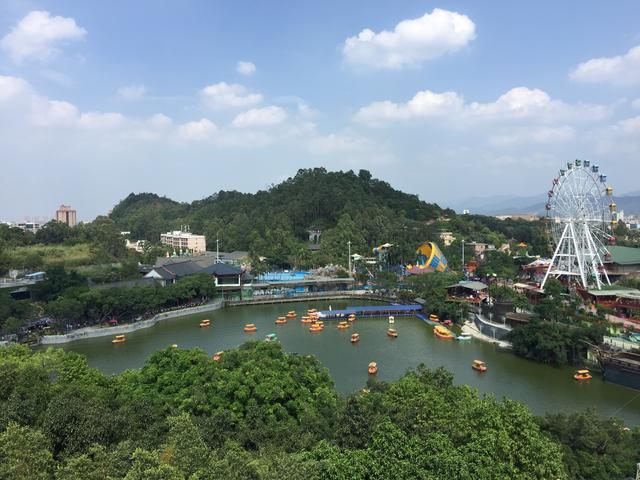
[(96, 332)]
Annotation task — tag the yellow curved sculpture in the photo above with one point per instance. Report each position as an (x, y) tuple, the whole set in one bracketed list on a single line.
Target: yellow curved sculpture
[(430, 256)]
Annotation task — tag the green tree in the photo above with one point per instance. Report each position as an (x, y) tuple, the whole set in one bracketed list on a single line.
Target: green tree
[(97, 464), (76, 418), (53, 232), (24, 454), (185, 448), (148, 466), (594, 447)]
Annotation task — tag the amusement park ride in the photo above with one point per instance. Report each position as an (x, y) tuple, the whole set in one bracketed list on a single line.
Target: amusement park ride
[(381, 255), (581, 217)]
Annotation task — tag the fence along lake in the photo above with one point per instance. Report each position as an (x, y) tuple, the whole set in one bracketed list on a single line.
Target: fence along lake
[(543, 388)]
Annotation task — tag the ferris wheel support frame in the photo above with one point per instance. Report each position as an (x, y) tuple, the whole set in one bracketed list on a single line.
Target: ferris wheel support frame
[(567, 260)]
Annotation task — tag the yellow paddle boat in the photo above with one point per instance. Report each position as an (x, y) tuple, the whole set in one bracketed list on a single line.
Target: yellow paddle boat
[(479, 366), (582, 375), (442, 333)]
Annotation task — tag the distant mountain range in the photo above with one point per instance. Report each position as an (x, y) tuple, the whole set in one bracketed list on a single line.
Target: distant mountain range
[(511, 205)]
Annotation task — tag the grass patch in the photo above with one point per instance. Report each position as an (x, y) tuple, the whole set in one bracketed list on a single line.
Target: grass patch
[(45, 256)]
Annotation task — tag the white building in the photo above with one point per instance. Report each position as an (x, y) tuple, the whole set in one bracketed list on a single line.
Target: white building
[(183, 242)]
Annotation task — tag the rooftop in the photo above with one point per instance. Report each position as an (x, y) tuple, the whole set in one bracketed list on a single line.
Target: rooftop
[(624, 255), (180, 233), (470, 285), (631, 293)]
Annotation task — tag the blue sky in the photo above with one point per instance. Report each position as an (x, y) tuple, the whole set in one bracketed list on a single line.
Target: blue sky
[(442, 99)]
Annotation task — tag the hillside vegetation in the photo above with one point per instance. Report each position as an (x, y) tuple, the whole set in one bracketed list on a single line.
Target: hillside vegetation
[(345, 205)]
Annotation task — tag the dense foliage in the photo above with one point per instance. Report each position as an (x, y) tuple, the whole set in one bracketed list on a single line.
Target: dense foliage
[(66, 297), (56, 244), (259, 413), (594, 448), (346, 206), (555, 343)]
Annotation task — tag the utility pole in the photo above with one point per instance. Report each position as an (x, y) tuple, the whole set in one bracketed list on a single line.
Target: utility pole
[(349, 244), (463, 256), (217, 249)]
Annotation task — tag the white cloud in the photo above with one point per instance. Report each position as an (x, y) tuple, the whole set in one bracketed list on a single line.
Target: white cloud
[(424, 104), (54, 113), (533, 134), (630, 126), (636, 104), (38, 36), (225, 95), (340, 142), (621, 70), (260, 117), (202, 129), (159, 121), (246, 68), (411, 41), (101, 121), (131, 92), (22, 105), (12, 87), (518, 103)]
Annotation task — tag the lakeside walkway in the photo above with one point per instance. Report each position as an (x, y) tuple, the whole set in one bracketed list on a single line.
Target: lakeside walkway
[(98, 331), (105, 331)]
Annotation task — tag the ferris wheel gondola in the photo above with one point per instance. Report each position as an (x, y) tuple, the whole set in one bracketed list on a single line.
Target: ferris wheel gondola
[(581, 216)]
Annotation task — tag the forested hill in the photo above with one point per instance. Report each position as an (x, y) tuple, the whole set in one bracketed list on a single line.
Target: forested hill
[(274, 223)]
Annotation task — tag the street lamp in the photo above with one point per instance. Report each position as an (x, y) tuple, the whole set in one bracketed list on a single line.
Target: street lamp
[(463, 257), (349, 245)]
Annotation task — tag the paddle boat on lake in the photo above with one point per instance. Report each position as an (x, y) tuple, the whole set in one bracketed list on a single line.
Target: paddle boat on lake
[(442, 333), (582, 375), (479, 366)]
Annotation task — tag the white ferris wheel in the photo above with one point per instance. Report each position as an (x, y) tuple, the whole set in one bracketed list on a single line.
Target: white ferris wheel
[(581, 216)]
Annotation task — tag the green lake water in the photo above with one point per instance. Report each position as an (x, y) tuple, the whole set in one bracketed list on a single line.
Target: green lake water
[(542, 388)]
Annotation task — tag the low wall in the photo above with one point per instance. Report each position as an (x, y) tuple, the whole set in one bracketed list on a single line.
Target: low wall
[(94, 332), (490, 329)]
